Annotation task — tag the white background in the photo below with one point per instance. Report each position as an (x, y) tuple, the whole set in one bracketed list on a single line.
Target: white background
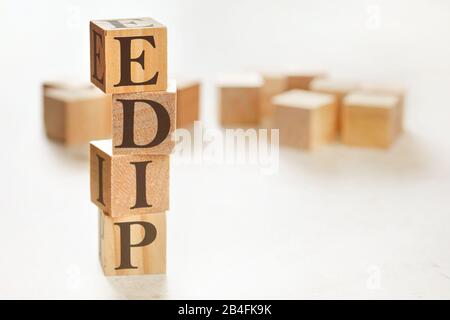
[(337, 223)]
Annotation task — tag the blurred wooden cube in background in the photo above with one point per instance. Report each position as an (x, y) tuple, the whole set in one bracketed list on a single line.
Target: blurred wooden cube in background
[(67, 83), (302, 79), (370, 120), (273, 84), (76, 116), (239, 99), (188, 102), (305, 119), (397, 90), (338, 88)]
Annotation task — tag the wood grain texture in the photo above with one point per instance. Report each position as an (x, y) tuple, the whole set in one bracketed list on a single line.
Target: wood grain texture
[(188, 102), (66, 84), (336, 87), (239, 98), (147, 61), (397, 90), (370, 120), (143, 259), (76, 116), (145, 124), (273, 84), (302, 80), (239, 106), (120, 184), (306, 120)]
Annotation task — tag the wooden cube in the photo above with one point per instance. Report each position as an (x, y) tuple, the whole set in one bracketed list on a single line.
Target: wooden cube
[(273, 84), (143, 122), (369, 120), (338, 88), (133, 244), (128, 184), (305, 119), (77, 116), (390, 89), (302, 80), (188, 102), (239, 99), (128, 55), (66, 84)]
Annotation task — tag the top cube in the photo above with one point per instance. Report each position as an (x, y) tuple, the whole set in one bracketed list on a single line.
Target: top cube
[(128, 55)]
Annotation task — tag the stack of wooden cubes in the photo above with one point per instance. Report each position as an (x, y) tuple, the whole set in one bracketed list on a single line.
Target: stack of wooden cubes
[(130, 173)]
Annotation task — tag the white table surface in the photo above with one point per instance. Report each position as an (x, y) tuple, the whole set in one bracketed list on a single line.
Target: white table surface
[(337, 223)]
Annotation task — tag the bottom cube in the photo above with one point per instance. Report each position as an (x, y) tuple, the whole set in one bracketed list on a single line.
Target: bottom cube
[(132, 244)]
